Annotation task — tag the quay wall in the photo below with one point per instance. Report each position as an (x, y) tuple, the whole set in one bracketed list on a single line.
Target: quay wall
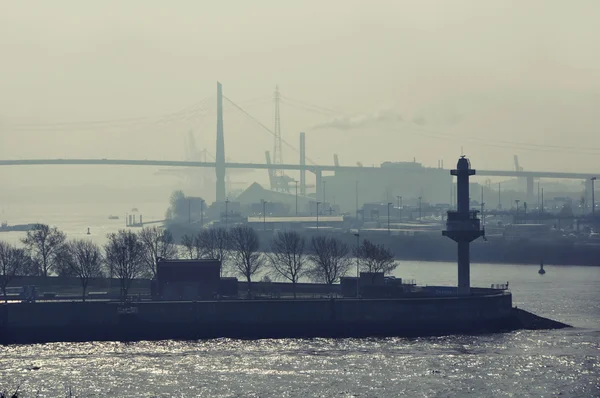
[(90, 321)]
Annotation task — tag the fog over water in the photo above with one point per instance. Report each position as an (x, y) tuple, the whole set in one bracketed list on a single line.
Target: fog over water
[(392, 80)]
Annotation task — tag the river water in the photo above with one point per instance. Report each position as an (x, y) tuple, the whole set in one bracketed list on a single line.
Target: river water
[(524, 363)]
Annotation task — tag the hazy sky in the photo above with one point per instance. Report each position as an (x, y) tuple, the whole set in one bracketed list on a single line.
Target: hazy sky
[(405, 78)]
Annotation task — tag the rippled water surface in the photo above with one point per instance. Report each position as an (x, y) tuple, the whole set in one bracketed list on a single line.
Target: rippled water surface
[(541, 363), (525, 363)]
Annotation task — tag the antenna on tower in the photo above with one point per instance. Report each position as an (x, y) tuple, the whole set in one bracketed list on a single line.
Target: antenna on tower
[(277, 152)]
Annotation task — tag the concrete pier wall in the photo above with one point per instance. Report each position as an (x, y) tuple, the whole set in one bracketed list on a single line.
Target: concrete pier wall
[(78, 321)]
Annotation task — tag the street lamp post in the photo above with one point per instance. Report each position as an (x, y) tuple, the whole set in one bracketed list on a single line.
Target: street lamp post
[(482, 204), (398, 205), (593, 198), (324, 195), (538, 196), (357, 263), (420, 209), (201, 213), (389, 204), (356, 201), (401, 207), (482, 216), (499, 198), (318, 203), (296, 181), (517, 215), (226, 211)]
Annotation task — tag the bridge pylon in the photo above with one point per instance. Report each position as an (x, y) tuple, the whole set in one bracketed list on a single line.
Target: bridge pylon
[(220, 154)]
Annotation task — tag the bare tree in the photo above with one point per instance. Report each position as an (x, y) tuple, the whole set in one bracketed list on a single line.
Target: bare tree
[(214, 243), (375, 258), (86, 261), (287, 257), (330, 259), (44, 242), (246, 258), (190, 247), (124, 257), (158, 243), (13, 261), (64, 261)]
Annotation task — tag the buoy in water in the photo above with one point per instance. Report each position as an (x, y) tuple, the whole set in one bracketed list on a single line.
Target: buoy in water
[(88, 231), (541, 271)]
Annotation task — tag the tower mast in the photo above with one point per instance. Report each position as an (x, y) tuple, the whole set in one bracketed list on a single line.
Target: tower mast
[(277, 152)]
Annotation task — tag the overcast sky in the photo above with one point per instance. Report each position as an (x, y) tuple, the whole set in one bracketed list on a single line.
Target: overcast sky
[(404, 79)]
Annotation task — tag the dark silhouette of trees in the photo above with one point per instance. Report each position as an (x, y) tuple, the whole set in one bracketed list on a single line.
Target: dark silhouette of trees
[(13, 262), (176, 203), (183, 209), (158, 243), (330, 259), (375, 258), (287, 257), (245, 256), (214, 243), (44, 243), (124, 258), (208, 243), (64, 262), (191, 247), (85, 261)]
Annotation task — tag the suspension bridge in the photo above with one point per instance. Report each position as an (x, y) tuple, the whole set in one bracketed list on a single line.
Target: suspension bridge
[(275, 168)]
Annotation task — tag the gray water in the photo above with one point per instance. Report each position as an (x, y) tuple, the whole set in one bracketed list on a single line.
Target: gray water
[(525, 363)]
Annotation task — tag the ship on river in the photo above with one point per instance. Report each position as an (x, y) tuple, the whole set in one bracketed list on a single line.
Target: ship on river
[(4, 227)]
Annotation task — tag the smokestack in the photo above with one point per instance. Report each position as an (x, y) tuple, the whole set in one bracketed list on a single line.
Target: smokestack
[(302, 163)]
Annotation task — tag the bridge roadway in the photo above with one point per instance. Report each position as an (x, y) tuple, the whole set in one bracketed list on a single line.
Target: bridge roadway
[(311, 168)]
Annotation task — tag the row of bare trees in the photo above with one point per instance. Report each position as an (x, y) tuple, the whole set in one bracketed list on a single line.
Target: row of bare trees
[(323, 259), (128, 255)]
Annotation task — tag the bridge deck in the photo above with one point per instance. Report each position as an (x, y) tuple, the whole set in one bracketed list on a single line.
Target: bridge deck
[(312, 168)]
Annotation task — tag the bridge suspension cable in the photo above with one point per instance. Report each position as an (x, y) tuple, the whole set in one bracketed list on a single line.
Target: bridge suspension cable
[(183, 113), (502, 143), (308, 106), (265, 128)]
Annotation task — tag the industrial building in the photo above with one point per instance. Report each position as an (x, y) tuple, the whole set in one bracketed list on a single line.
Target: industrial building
[(278, 203), (282, 223), (350, 189)]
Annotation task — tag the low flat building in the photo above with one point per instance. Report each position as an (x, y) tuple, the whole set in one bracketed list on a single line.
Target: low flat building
[(188, 279), (272, 223)]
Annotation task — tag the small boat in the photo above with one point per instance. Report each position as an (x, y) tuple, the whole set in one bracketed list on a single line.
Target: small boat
[(111, 217), (541, 270)]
